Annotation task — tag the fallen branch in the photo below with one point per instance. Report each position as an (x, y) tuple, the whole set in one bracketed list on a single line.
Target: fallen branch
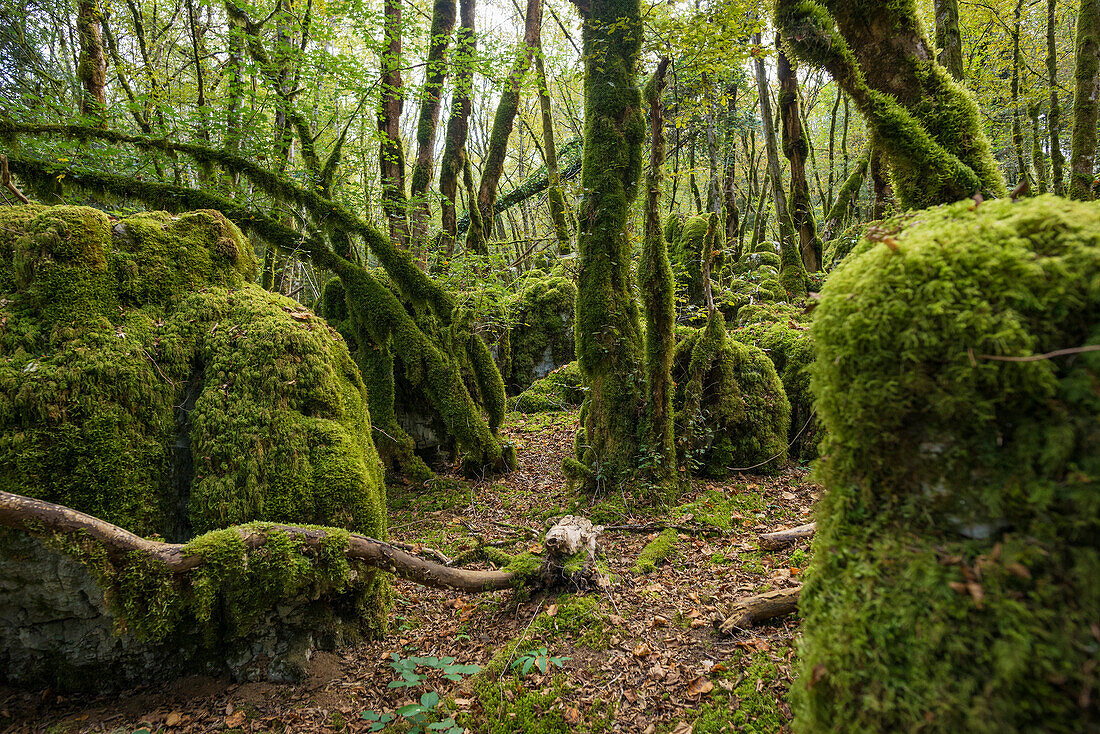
[(748, 612), (782, 538), (37, 517), (5, 180)]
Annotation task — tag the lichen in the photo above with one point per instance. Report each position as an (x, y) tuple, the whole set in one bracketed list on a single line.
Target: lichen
[(954, 567)]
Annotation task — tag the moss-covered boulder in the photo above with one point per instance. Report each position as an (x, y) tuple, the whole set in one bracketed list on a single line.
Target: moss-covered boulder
[(540, 330), (783, 332), (686, 255), (145, 379), (731, 408), (953, 586), (562, 389)]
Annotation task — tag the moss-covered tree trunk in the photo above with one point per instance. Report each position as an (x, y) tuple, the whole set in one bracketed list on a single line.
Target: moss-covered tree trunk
[(555, 196), (948, 38), (792, 273), (729, 180), (503, 120), (454, 150), (658, 300), (1023, 174), (391, 152), (1086, 77), (929, 127), (443, 22), (609, 341), (795, 149), (845, 200), (1054, 116), (92, 65), (1038, 160)]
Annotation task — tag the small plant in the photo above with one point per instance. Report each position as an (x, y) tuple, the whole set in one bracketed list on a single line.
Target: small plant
[(540, 659), (419, 714)]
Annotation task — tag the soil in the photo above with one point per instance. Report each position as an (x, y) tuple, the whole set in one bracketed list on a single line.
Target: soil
[(647, 657)]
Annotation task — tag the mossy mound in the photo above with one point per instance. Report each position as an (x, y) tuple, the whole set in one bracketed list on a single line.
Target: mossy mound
[(783, 332), (562, 389), (958, 543), (540, 334), (730, 404), (686, 255), (146, 381)]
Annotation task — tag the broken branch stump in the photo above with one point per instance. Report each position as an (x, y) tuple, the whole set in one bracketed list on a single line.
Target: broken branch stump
[(748, 612), (781, 538)]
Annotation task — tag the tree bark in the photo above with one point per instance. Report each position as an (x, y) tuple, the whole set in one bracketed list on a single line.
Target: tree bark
[(443, 23), (503, 120), (746, 613), (454, 160), (792, 273), (555, 196), (1085, 103), (391, 152), (1054, 116), (609, 340), (795, 149), (948, 38), (657, 286), (92, 68)]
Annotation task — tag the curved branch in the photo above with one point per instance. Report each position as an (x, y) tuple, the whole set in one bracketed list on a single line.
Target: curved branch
[(38, 517)]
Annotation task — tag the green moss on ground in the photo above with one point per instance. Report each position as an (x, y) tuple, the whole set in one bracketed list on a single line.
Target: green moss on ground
[(730, 405), (746, 706), (954, 566), (562, 389), (656, 551)]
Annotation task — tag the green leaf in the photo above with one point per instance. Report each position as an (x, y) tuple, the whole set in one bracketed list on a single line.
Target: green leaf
[(411, 710), (429, 700)]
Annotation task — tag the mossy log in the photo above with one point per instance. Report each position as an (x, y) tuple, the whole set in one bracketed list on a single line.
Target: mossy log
[(749, 612)]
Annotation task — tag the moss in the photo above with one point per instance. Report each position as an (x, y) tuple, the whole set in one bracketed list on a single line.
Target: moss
[(214, 406), (686, 254), (524, 566), (562, 389), (730, 404), (790, 346), (954, 565), (13, 223), (712, 508), (541, 329), (656, 551), (578, 618)]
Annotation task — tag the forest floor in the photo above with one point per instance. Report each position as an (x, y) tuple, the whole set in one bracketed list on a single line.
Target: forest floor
[(639, 656)]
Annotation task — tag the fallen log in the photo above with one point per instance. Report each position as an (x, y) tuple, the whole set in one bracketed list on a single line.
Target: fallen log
[(748, 612), (37, 517), (782, 538)]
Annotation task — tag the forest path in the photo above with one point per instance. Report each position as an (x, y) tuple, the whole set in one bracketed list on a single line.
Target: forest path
[(639, 656)]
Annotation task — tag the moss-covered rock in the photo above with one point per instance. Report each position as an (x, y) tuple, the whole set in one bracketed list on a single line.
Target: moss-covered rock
[(540, 334), (686, 255), (562, 389), (958, 544), (783, 332), (731, 409)]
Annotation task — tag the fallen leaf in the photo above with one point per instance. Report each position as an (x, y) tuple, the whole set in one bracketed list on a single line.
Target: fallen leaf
[(682, 727), (659, 621), (650, 728), (463, 703), (642, 650), (235, 720), (571, 715), (173, 719), (698, 622), (552, 610), (616, 620), (1018, 569)]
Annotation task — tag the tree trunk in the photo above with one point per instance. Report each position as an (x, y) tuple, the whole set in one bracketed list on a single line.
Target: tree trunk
[(458, 124), (503, 121), (1023, 175), (1054, 117), (929, 127), (840, 211), (795, 150), (609, 341), (729, 180), (948, 38), (1086, 78), (443, 22), (92, 68), (657, 285), (391, 152), (1038, 160), (792, 273), (555, 196)]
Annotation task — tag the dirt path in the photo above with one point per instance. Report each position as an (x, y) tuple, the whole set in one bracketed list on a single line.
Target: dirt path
[(642, 656)]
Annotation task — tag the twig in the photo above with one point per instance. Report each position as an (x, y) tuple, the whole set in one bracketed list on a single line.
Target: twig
[(1039, 357)]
